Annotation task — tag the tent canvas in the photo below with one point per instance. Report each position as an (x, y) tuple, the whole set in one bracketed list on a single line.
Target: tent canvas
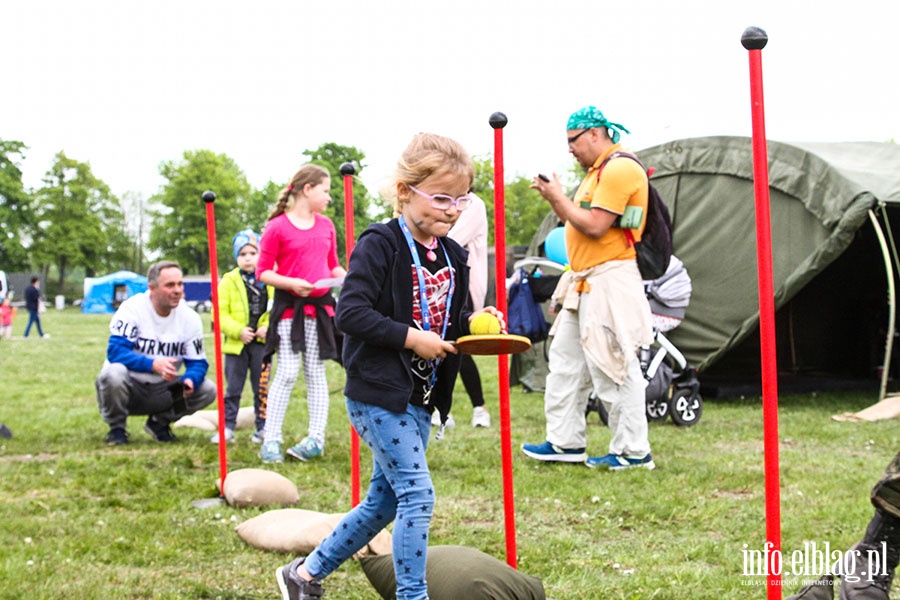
[(105, 294), (832, 206)]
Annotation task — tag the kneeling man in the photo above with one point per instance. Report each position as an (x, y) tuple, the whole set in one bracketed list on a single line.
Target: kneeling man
[(151, 335)]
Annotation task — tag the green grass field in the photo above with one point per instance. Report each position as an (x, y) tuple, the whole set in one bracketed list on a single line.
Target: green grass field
[(83, 520)]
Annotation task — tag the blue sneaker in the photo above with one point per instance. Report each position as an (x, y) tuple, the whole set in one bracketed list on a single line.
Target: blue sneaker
[(617, 462), (307, 448), (271, 452), (552, 452)]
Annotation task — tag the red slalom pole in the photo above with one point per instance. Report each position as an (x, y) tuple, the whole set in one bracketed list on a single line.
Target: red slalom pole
[(347, 170), (209, 198), (754, 40), (498, 121)]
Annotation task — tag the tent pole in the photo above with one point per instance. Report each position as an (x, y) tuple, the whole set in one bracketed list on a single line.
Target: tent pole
[(892, 305)]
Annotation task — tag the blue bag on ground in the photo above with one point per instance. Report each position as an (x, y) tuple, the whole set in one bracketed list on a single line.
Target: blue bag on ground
[(524, 315)]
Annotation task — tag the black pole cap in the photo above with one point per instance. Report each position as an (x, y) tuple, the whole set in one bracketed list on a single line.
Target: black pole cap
[(209, 196), (498, 120), (754, 38), (347, 168)]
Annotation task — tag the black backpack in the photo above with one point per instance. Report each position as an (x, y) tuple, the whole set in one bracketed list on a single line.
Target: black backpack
[(655, 248)]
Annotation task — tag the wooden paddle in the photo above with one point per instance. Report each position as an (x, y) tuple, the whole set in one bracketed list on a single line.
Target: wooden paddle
[(492, 344)]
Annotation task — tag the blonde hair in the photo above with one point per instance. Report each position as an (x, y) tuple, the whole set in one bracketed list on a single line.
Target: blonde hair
[(307, 174), (427, 154)]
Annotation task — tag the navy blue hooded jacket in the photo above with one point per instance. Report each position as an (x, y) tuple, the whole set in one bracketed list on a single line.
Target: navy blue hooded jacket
[(374, 311)]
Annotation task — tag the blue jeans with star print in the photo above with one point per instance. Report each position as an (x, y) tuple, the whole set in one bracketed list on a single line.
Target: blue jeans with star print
[(400, 490)]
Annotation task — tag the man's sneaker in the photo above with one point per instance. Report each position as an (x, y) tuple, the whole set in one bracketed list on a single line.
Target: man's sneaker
[(552, 452), (117, 436), (229, 436), (271, 452), (160, 432), (307, 448), (258, 437), (481, 417), (617, 462), (294, 587)]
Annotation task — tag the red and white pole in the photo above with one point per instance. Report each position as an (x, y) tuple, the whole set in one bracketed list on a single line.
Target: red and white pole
[(498, 121), (754, 40), (209, 198), (347, 170)]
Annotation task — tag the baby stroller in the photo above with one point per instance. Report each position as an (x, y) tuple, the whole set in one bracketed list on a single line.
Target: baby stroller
[(673, 388)]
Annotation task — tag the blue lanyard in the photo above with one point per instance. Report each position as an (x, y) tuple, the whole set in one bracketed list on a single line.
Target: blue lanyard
[(423, 294)]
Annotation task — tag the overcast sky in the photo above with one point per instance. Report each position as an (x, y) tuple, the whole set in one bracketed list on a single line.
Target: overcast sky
[(126, 85)]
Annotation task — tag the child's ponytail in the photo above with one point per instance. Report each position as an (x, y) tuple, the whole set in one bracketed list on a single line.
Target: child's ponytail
[(308, 174)]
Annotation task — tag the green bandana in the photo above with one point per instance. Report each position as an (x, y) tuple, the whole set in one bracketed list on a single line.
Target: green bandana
[(590, 117)]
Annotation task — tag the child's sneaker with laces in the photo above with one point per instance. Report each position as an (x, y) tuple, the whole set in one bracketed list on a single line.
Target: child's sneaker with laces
[(271, 452), (229, 436), (294, 587), (481, 417), (307, 448)]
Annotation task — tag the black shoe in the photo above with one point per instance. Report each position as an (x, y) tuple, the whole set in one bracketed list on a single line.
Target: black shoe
[(160, 432), (294, 587), (117, 436), (820, 589), (867, 577)]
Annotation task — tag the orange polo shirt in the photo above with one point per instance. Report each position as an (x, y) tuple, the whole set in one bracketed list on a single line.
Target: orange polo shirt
[(621, 183)]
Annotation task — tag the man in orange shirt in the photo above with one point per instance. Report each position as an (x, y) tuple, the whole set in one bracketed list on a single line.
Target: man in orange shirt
[(605, 317)]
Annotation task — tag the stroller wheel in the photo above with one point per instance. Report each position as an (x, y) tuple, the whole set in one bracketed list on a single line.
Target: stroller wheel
[(686, 408), (657, 409), (594, 405)]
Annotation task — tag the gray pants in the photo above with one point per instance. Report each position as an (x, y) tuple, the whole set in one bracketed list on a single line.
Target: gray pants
[(121, 393)]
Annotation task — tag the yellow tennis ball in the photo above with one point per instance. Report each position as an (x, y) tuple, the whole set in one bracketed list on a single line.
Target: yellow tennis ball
[(485, 324)]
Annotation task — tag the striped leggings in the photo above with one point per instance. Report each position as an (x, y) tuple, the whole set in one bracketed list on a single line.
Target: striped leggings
[(286, 371)]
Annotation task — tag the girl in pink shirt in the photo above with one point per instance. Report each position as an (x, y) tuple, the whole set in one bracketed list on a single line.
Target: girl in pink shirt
[(297, 250)]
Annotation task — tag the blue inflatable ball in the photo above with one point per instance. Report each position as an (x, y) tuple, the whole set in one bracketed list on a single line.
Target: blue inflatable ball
[(555, 246)]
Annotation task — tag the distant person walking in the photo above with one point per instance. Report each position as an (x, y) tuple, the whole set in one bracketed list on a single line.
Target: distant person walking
[(33, 306)]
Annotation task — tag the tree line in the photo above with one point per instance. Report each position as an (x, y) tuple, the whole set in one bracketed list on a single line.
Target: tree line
[(73, 220)]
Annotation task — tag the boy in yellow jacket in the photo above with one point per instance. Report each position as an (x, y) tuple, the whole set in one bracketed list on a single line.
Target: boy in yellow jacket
[(244, 316)]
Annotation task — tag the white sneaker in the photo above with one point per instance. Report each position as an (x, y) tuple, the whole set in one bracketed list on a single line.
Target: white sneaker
[(229, 436), (436, 420), (481, 417)]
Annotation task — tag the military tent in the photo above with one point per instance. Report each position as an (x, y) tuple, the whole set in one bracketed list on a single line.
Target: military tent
[(105, 294), (832, 208)]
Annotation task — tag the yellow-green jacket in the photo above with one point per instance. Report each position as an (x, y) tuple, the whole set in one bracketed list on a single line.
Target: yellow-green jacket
[(234, 311)]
